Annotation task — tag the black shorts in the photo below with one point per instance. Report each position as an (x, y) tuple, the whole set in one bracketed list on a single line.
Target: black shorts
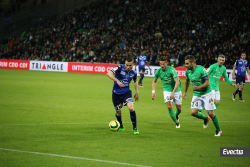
[(118, 100), (141, 70), (240, 80)]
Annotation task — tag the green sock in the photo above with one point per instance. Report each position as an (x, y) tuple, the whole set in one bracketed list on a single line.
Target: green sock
[(201, 116), (178, 112), (200, 110), (216, 122), (172, 115)]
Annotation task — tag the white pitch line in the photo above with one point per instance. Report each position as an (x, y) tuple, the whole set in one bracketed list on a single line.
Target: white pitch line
[(66, 156), (88, 123)]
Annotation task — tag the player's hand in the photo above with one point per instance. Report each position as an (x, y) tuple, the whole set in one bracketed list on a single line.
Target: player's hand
[(136, 96), (234, 77), (171, 96), (234, 85), (149, 68), (185, 96), (120, 84), (153, 96), (195, 87)]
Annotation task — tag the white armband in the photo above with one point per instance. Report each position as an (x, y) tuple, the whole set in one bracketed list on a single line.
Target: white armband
[(153, 91)]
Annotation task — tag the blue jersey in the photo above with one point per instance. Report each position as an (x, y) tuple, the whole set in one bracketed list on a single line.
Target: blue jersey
[(124, 77), (141, 61), (241, 67)]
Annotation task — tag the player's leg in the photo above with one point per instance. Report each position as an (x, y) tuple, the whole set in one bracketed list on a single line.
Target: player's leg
[(209, 105), (238, 82), (128, 101), (142, 71), (118, 108), (133, 117), (196, 104), (119, 119), (214, 96), (178, 103), (169, 104), (241, 87), (216, 99)]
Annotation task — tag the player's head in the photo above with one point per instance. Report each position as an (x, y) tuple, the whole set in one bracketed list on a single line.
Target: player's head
[(190, 62), (221, 60), (129, 63), (163, 63), (243, 55)]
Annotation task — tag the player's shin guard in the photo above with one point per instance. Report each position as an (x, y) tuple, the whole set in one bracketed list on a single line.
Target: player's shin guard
[(237, 91), (201, 116), (178, 112), (140, 81), (133, 119), (240, 94), (216, 123), (119, 119), (172, 115)]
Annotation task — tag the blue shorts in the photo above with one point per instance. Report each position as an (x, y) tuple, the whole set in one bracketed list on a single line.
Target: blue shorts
[(118, 100), (141, 70), (240, 80)]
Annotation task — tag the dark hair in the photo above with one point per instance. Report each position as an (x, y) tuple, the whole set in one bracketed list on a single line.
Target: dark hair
[(243, 53), (129, 59), (162, 58), (190, 58)]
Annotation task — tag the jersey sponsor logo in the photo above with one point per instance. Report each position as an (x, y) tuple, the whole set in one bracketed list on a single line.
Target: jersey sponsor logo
[(240, 62), (123, 73)]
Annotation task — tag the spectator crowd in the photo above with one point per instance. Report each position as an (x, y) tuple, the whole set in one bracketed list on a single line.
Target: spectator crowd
[(110, 30)]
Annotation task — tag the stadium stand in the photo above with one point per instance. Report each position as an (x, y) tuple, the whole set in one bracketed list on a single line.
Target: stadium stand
[(107, 31)]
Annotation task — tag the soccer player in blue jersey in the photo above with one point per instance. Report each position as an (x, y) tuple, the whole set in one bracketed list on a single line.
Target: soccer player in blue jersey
[(121, 93), (242, 66), (141, 60)]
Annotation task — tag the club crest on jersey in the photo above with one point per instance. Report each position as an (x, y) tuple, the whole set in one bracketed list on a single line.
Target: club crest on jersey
[(197, 74)]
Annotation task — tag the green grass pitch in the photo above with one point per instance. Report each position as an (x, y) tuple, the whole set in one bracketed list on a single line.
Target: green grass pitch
[(61, 120)]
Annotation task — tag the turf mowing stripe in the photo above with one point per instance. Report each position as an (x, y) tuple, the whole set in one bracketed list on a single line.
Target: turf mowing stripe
[(66, 156), (106, 123)]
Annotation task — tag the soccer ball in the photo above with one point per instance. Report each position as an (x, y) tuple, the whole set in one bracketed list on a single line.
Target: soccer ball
[(114, 125)]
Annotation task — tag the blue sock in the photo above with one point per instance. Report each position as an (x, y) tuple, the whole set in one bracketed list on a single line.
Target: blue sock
[(237, 91), (119, 119), (140, 80), (133, 119), (240, 94)]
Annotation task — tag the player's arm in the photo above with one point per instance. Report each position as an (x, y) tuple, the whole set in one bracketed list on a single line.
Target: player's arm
[(136, 96), (248, 71), (235, 65), (136, 63), (227, 79), (153, 89), (148, 63), (187, 82), (111, 75), (205, 84)]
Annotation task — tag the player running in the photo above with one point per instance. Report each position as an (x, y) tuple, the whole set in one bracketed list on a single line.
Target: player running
[(202, 93), (242, 66), (141, 60), (215, 71), (171, 89), (121, 93)]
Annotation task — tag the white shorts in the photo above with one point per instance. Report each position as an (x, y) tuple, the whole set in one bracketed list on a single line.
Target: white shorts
[(216, 94), (177, 97), (206, 101)]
